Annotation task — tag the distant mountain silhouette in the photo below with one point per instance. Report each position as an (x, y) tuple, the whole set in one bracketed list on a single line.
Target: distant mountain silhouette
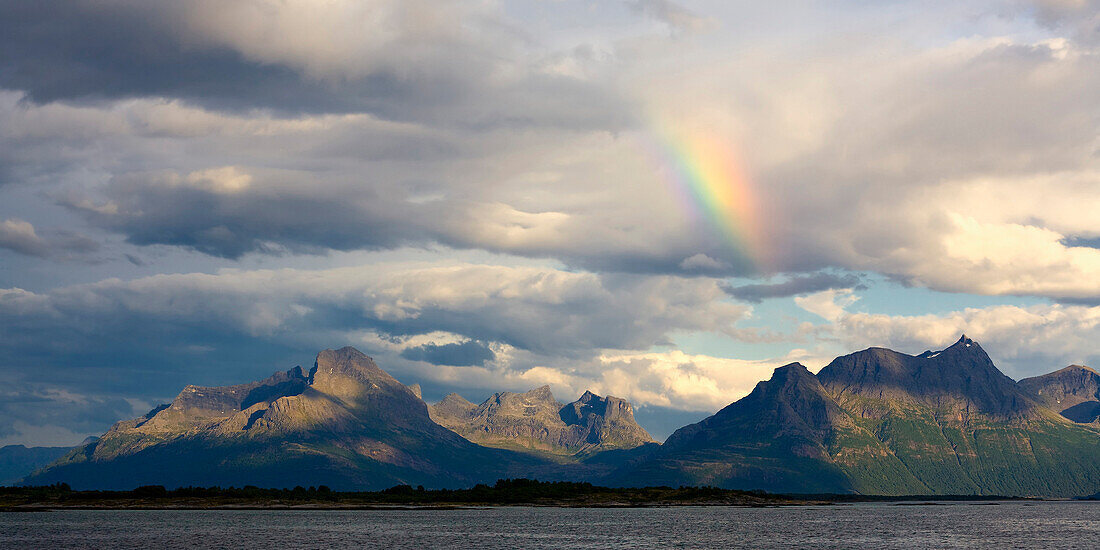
[(17, 461)]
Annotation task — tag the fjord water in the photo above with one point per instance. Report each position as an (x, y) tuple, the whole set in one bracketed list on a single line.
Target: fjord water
[(1061, 524)]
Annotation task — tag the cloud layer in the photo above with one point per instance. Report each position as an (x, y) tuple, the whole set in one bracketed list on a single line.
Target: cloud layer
[(225, 187)]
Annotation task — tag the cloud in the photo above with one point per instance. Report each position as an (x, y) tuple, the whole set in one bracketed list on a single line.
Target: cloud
[(901, 196), (703, 263), (548, 312), (674, 15), (146, 338), (800, 284), (1023, 341), (463, 354), (20, 236), (409, 59), (827, 304), (857, 164), (45, 415), (1079, 18), (671, 379)]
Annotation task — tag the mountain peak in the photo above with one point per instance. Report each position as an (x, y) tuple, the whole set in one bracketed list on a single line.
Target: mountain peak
[(964, 342), (347, 373), (1077, 368), (792, 403), (541, 393), (455, 398), (961, 378), (349, 351), (535, 420), (791, 370)]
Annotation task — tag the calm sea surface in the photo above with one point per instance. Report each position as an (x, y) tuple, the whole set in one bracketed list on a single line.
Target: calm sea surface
[(960, 525)]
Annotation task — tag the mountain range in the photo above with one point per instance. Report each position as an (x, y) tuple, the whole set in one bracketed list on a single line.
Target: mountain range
[(536, 422), (872, 422)]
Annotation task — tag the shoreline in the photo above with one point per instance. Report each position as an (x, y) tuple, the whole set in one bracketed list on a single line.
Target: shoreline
[(505, 493)]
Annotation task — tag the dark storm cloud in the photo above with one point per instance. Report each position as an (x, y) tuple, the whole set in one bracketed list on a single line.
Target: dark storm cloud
[(793, 286), (45, 415), (81, 50), (231, 225), (465, 354), (309, 212), (90, 51)]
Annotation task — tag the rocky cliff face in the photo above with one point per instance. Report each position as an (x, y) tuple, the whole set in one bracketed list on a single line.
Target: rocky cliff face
[(1073, 391), (536, 421), (346, 424)]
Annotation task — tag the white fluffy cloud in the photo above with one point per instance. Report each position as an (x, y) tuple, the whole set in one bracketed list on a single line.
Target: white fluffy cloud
[(20, 236), (1022, 340), (827, 304)]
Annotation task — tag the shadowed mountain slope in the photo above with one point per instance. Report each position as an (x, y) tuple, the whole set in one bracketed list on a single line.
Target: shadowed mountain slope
[(955, 382), (781, 437), (17, 461), (1073, 391)]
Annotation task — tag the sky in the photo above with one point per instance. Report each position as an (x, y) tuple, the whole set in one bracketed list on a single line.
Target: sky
[(657, 200)]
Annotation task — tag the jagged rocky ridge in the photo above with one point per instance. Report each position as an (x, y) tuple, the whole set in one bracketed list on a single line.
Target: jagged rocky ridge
[(874, 422), (535, 421)]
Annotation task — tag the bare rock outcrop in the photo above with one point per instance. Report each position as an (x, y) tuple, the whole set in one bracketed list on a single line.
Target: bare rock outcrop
[(536, 421)]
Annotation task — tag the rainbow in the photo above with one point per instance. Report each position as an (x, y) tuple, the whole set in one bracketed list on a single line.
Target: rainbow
[(706, 175)]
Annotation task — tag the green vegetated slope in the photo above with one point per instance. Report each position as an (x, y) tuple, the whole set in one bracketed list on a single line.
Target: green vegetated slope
[(782, 437), (883, 422)]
